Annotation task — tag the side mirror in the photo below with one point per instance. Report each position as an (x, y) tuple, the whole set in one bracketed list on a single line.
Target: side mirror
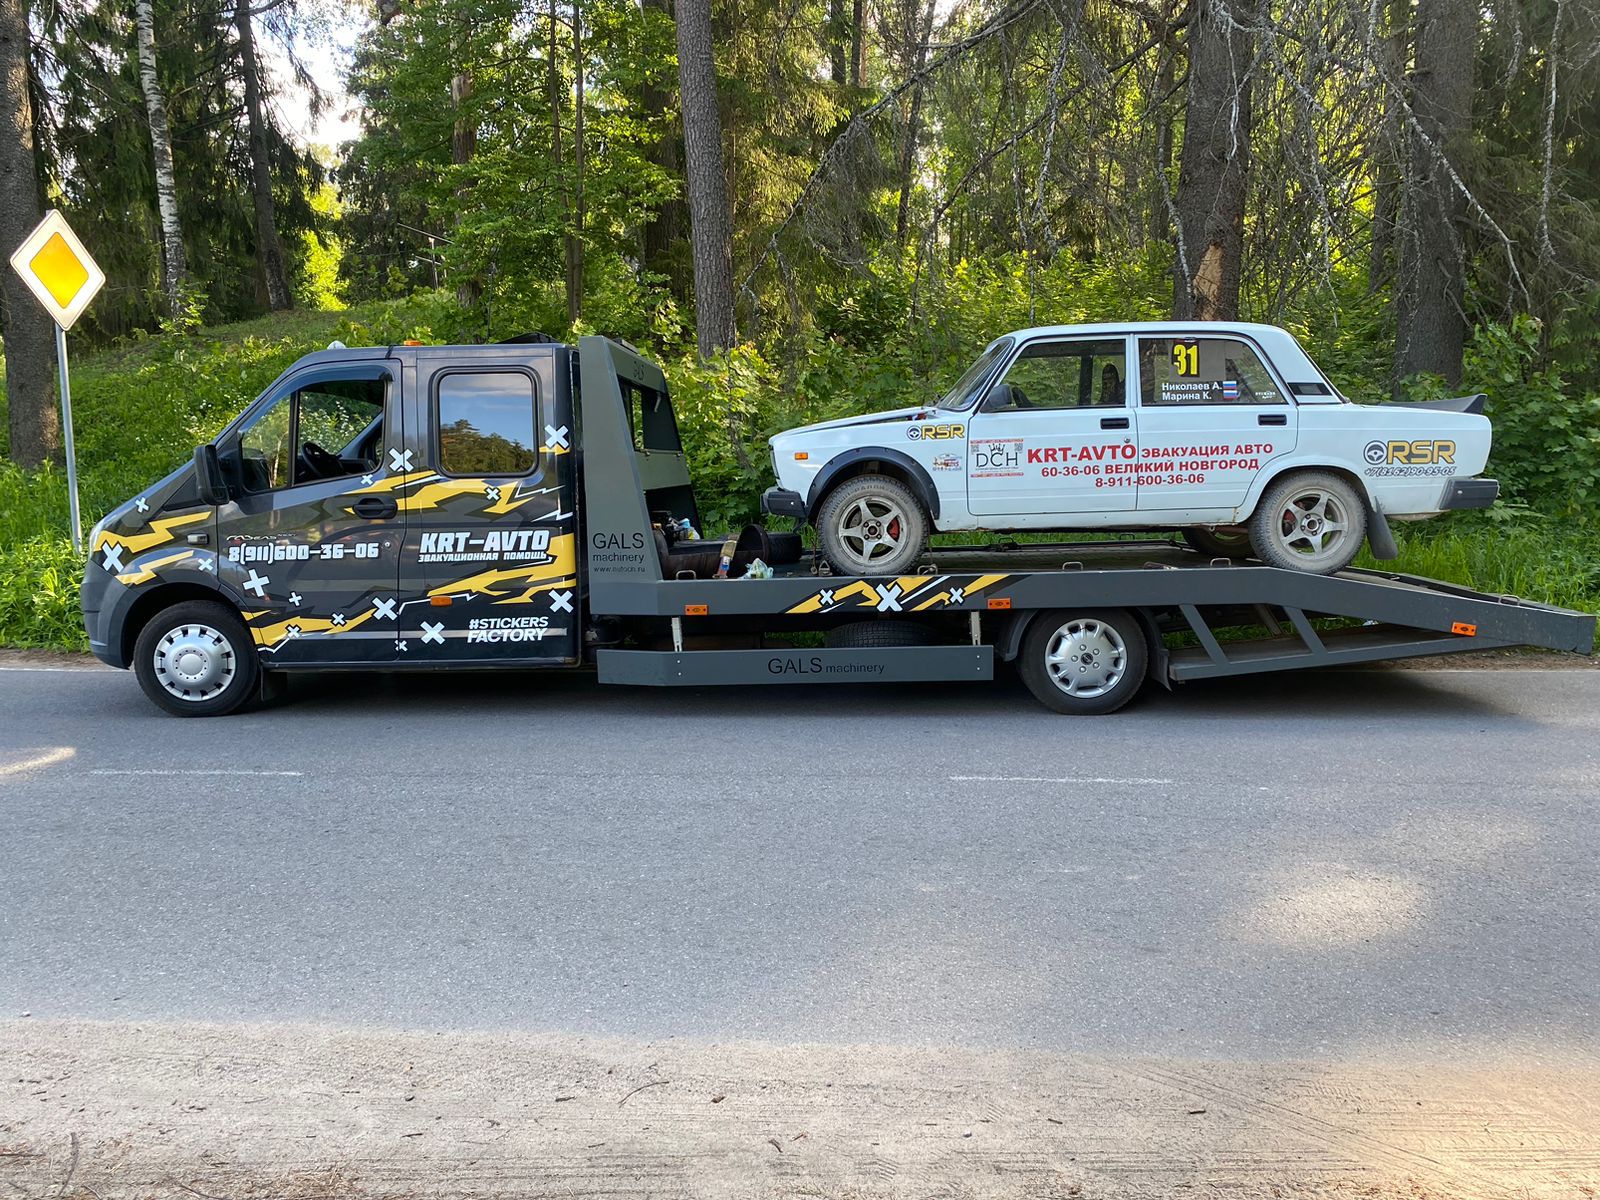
[(208, 477)]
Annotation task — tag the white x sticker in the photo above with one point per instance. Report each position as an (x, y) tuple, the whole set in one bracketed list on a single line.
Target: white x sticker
[(141, 505), (399, 644), (366, 481), (293, 631), (113, 559), (432, 633), (554, 437), (889, 598), (826, 596), (204, 564), (491, 491), (338, 619), (957, 595), (295, 598), (400, 461), (383, 608), (561, 602), (257, 583)]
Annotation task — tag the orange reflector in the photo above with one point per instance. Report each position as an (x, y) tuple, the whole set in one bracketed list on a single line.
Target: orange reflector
[(696, 610), (999, 601), (440, 601), (801, 455), (1464, 629), (411, 342)]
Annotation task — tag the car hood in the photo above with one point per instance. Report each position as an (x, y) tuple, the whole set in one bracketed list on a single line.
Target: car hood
[(901, 415)]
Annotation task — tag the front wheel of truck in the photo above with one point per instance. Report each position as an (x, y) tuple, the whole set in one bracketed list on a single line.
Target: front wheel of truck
[(872, 525), (196, 659)]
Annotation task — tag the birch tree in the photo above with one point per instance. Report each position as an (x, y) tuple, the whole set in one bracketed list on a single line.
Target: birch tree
[(174, 269)]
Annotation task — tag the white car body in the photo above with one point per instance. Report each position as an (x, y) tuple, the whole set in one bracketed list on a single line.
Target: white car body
[(1197, 452)]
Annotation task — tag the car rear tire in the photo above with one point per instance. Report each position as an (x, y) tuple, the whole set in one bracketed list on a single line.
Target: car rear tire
[(860, 635), (1312, 521), (1226, 541), (196, 659), (1084, 663), (872, 525)]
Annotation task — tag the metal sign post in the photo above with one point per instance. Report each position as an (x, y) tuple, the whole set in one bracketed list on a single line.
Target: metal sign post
[(61, 273), (66, 433)]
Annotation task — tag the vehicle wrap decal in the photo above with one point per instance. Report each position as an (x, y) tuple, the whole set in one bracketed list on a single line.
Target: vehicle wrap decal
[(908, 593), (162, 531), (145, 571), (519, 584)]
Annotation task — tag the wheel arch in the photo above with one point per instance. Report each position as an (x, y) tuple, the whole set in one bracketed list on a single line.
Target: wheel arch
[(1268, 477), (874, 460), (144, 609)]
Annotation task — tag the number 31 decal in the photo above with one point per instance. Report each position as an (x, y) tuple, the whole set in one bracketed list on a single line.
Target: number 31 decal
[(1186, 358)]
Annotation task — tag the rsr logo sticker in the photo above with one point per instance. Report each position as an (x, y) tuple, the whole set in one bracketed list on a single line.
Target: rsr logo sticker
[(935, 433), (1410, 454)]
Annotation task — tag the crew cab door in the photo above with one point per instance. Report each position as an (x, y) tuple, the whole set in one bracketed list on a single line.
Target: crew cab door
[(1055, 434), (490, 565), (308, 543), (1212, 416)]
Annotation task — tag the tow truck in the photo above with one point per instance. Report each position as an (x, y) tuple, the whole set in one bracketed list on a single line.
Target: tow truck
[(524, 506)]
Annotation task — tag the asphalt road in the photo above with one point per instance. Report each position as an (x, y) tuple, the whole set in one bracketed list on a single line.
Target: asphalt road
[(1363, 866)]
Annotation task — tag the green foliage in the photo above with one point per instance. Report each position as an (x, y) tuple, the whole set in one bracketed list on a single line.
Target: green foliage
[(39, 594)]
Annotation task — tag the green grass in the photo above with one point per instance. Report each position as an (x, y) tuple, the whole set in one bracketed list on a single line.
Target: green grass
[(142, 406)]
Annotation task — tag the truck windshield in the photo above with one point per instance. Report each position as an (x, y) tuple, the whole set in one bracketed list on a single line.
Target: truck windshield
[(973, 378)]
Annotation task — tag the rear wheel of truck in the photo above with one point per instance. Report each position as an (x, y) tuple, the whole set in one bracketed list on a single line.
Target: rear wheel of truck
[(1309, 521), (196, 659), (872, 525), (1084, 663)]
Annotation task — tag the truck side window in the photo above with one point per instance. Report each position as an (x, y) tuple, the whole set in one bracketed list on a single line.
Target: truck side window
[(1203, 370), (487, 423), (1075, 374), (325, 430)]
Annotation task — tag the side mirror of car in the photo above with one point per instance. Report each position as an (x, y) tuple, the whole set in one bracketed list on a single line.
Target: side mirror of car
[(999, 398), (209, 481)]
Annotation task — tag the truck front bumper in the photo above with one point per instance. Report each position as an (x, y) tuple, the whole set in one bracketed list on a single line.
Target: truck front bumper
[(781, 502), (1470, 493)]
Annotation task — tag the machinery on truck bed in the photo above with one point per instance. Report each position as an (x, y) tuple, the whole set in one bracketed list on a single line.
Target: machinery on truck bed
[(516, 506)]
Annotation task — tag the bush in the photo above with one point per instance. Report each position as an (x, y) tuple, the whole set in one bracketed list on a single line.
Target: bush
[(39, 594)]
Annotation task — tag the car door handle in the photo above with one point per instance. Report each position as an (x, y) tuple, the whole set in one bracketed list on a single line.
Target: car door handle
[(1273, 419), (1113, 422), (375, 508)]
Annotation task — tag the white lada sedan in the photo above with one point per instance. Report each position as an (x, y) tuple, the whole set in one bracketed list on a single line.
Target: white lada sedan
[(1226, 431)]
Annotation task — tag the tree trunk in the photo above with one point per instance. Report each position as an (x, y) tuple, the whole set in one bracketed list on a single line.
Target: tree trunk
[(1430, 325), (663, 230), (908, 148), (463, 145), (174, 270), (1214, 171), (836, 36), (710, 220), (858, 43), (1387, 147), (35, 427), (269, 250), (574, 245)]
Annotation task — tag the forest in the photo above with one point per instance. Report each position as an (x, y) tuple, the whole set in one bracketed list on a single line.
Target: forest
[(805, 208)]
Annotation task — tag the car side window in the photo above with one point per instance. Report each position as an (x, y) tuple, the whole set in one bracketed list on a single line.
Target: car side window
[(1203, 370), (487, 422), (326, 430), (1064, 374)]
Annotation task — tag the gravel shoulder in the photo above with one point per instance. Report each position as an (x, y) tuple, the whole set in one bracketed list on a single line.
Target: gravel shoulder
[(92, 1111)]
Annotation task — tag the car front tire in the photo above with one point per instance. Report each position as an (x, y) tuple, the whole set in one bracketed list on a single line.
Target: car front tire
[(872, 525), (196, 659)]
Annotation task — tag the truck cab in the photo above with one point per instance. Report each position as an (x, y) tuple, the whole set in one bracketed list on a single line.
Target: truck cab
[(386, 506)]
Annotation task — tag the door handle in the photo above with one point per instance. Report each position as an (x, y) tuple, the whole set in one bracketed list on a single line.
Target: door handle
[(1113, 422), (1272, 419), (375, 508)]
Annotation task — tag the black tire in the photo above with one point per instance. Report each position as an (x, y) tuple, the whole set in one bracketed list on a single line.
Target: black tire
[(209, 639), (890, 513), (860, 634), (1226, 541), (1113, 639), (1290, 526)]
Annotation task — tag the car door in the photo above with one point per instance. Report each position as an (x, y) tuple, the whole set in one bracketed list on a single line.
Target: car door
[(311, 561), (1056, 434), (1212, 417), (490, 567)]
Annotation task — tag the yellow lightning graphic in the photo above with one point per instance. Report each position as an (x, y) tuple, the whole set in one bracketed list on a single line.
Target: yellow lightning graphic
[(161, 532)]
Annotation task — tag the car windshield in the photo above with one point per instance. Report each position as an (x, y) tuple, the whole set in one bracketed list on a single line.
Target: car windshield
[(973, 378)]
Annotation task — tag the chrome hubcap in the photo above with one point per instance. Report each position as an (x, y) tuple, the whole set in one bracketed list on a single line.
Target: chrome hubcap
[(1086, 658), (194, 662), (872, 528)]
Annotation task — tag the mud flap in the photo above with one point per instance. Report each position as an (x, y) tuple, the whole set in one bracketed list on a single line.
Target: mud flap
[(1379, 536)]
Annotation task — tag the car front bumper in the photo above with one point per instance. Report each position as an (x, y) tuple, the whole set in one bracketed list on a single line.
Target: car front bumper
[(781, 502), (1470, 493)]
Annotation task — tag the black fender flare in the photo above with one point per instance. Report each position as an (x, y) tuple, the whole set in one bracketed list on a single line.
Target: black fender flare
[(916, 475)]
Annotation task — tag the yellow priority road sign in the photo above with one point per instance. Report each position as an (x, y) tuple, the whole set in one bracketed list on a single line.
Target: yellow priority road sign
[(58, 270)]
